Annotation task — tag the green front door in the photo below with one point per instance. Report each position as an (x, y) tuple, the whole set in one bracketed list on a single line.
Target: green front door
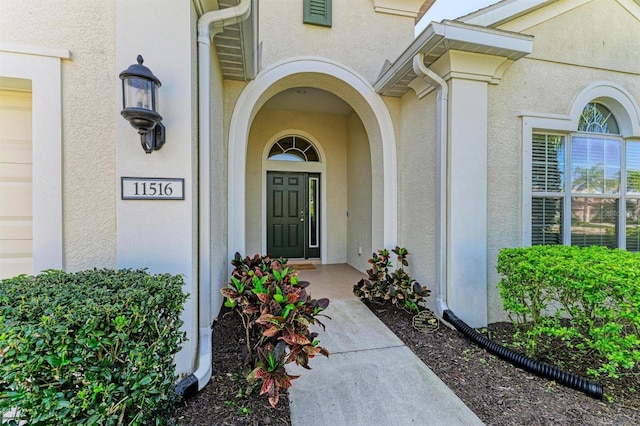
[(292, 215)]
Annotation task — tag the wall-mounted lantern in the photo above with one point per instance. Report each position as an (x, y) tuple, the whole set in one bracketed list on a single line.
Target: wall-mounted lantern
[(140, 105)]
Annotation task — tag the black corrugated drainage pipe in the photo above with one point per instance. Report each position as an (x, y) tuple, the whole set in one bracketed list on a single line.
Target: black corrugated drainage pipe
[(538, 368)]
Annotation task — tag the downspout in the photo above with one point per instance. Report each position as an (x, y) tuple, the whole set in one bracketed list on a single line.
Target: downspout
[(209, 24), (442, 120)]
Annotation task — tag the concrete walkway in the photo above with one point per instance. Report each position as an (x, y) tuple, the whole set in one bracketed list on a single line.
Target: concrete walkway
[(370, 378)]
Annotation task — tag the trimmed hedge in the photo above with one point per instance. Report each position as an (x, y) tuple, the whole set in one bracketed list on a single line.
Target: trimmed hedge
[(588, 298), (93, 347)]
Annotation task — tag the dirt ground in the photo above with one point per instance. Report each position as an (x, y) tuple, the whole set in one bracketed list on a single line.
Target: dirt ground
[(497, 392), (223, 400)]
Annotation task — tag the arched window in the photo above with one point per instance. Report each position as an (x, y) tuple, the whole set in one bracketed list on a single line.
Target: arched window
[(596, 118), (293, 148)]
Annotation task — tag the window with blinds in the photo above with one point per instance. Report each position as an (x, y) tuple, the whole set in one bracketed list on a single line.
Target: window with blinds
[(632, 202), (547, 178), (317, 12), (586, 186)]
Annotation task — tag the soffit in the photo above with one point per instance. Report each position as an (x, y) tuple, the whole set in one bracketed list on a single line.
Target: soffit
[(309, 99), (235, 44), (437, 39)]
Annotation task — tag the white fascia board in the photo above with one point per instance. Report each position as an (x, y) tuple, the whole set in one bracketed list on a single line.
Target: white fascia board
[(404, 62), (488, 37), (409, 8), (503, 11)]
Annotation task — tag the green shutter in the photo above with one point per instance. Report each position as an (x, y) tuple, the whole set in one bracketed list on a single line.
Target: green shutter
[(317, 12)]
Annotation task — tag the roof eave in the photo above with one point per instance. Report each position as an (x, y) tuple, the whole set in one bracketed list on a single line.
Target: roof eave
[(503, 12), (438, 38), (242, 37)]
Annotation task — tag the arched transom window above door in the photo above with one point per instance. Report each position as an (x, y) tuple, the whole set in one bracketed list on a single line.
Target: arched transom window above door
[(293, 148)]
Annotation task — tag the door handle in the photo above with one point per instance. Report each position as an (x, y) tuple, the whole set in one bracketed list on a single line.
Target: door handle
[(302, 216)]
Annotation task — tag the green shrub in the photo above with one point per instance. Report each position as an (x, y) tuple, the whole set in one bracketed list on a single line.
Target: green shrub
[(276, 312), (397, 287), (586, 298), (93, 347)]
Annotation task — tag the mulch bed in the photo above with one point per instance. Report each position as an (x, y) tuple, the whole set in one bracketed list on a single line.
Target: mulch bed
[(497, 392), (222, 401)]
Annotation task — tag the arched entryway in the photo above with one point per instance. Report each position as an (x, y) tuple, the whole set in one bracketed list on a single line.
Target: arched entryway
[(369, 112)]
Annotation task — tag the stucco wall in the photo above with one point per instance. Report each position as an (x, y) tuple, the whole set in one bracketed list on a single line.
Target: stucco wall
[(359, 188), (86, 29), (359, 37), (417, 187), (331, 133), (604, 37), (600, 46)]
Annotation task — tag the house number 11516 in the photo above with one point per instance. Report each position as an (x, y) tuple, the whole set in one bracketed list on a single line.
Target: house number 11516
[(152, 189), (160, 189)]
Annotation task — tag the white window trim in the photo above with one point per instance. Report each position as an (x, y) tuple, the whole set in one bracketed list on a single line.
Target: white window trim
[(318, 189), (531, 123), (42, 66)]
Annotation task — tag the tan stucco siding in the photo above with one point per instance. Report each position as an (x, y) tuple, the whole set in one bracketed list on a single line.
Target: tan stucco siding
[(417, 187), (600, 34), (220, 264), (359, 188), (359, 37), (86, 29), (330, 131)]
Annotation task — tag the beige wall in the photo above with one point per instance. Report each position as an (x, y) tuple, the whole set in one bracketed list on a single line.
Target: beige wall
[(359, 188), (331, 133), (604, 38), (359, 37), (417, 187), (89, 107), (592, 43)]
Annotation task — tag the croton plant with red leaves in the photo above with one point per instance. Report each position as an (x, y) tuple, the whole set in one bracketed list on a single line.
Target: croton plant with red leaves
[(276, 312)]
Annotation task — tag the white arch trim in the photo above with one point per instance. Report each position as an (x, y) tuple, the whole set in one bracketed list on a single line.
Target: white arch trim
[(248, 104), (616, 98)]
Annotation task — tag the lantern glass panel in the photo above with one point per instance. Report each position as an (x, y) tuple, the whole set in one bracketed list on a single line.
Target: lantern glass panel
[(139, 93)]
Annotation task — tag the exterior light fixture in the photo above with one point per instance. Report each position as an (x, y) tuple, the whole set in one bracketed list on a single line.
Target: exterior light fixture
[(140, 105)]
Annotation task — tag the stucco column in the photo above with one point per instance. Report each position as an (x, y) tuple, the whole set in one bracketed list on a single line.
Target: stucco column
[(468, 76), (161, 235), (467, 190)]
